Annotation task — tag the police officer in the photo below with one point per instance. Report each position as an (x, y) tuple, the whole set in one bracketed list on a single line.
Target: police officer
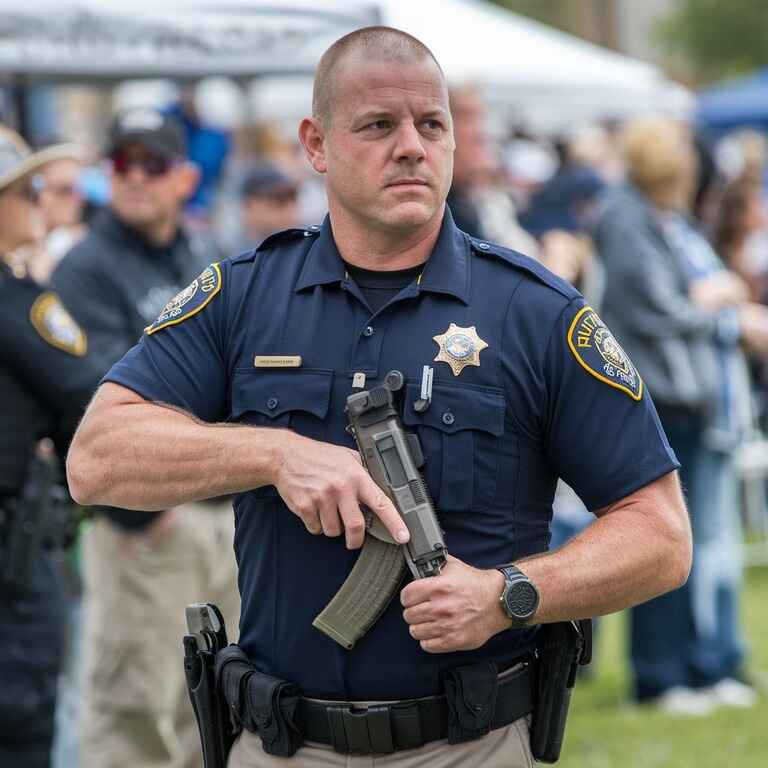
[(46, 379), (136, 257), (241, 388)]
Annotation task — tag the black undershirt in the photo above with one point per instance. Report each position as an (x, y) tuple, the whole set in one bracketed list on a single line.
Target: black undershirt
[(378, 286)]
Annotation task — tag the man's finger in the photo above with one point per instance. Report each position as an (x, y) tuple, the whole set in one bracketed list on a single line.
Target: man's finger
[(329, 519), (416, 592), (353, 520), (372, 496), (427, 631), (418, 614)]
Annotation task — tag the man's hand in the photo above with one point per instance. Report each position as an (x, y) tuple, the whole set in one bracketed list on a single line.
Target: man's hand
[(458, 610), (325, 485), (753, 320)]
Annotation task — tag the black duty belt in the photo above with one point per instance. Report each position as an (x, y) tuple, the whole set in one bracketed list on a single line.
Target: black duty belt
[(383, 728)]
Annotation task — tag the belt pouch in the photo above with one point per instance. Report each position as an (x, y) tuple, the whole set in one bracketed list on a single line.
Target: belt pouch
[(558, 649), (260, 703), (470, 693)]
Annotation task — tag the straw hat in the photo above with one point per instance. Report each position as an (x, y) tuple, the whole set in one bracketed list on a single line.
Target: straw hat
[(17, 158)]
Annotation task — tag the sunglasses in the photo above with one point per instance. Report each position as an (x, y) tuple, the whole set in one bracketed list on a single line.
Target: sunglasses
[(152, 165)]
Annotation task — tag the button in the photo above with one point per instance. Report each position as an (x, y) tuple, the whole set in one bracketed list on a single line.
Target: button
[(272, 403), (368, 330), (307, 233), (484, 246), (448, 418), (314, 227)]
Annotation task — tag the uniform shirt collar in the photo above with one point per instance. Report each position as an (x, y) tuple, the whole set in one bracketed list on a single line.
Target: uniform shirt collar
[(446, 270)]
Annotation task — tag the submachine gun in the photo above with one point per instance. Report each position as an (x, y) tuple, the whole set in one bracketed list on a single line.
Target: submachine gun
[(393, 458)]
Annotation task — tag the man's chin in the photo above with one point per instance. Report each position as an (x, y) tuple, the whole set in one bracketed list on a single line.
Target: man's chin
[(409, 216)]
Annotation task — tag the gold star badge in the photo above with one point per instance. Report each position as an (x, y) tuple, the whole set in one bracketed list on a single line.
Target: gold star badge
[(459, 347)]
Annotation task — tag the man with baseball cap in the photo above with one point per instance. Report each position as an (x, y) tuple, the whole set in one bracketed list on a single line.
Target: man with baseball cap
[(46, 378), (269, 203), (141, 569)]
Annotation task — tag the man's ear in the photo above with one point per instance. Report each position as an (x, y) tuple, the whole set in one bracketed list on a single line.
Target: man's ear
[(188, 178), (312, 138)]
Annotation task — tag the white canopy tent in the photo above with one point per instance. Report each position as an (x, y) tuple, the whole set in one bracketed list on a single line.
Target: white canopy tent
[(531, 73), (547, 77), (544, 78), (96, 39)]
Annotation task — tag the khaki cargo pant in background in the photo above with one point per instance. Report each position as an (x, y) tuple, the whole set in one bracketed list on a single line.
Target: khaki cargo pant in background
[(507, 747), (137, 712)]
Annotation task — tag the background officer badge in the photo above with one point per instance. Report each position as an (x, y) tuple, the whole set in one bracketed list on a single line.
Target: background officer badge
[(459, 347), (56, 325), (598, 352), (190, 301)]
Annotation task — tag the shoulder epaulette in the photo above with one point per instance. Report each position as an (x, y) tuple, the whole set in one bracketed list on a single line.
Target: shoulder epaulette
[(289, 235), (525, 263)]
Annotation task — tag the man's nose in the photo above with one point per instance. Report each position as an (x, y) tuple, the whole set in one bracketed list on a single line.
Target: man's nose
[(409, 145)]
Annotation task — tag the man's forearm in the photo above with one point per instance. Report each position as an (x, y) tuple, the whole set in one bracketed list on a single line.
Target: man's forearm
[(146, 456), (636, 550)]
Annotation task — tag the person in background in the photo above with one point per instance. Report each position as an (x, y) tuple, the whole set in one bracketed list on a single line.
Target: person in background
[(480, 204), (208, 148), (142, 569), (61, 202), (560, 216), (740, 231), (269, 203), (683, 318), (46, 380)]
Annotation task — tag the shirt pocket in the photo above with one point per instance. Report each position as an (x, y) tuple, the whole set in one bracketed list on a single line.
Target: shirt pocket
[(298, 399), (459, 435)]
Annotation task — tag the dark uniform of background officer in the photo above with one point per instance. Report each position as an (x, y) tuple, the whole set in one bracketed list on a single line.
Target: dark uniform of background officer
[(528, 386), (46, 379)]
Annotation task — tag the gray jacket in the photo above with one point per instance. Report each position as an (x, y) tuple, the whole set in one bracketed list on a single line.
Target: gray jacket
[(646, 305)]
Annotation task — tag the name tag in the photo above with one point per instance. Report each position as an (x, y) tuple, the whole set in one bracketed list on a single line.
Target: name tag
[(277, 361)]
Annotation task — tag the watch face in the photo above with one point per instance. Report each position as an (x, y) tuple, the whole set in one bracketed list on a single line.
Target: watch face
[(521, 600)]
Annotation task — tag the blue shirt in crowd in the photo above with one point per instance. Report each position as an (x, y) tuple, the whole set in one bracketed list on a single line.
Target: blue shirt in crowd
[(529, 386)]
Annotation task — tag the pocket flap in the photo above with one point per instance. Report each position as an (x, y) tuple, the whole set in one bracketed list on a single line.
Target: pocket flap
[(457, 407), (273, 393)]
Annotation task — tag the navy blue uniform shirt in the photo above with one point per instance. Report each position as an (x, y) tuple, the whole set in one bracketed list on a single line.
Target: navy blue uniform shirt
[(496, 436)]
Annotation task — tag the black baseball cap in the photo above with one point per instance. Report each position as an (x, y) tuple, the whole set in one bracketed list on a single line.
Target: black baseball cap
[(150, 128), (266, 179)]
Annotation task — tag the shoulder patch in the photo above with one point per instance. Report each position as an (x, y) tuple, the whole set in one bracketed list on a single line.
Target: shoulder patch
[(193, 299), (56, 326), (598, 352)]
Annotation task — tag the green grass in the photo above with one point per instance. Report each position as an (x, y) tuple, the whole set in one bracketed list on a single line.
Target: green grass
[(606, 731)]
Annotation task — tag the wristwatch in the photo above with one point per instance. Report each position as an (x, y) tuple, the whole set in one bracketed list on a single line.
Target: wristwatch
[(520, 598)]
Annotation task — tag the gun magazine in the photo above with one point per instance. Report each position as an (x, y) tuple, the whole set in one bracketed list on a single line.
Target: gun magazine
[(364, 596)]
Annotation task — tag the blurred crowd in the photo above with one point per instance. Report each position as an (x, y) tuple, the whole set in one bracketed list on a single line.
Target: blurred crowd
[(664, 231)]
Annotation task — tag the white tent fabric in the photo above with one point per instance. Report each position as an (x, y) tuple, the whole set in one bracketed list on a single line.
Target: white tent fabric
[(548, 78), (542, 77), (71, 39)]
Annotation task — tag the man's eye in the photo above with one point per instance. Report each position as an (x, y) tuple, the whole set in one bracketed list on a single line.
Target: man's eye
[(432, 125), (379, 125)]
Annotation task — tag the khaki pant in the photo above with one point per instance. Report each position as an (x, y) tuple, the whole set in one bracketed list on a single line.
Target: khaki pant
[(137, 710), (507, 747)]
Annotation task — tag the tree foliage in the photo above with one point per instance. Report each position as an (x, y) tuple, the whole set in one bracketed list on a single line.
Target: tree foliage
[(718, 38)]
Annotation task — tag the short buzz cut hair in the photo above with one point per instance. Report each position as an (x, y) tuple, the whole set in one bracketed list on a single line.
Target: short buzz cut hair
[(375, 43)]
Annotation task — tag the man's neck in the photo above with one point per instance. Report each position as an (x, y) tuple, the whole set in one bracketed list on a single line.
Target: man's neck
[(381, 250), (159, 234)]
